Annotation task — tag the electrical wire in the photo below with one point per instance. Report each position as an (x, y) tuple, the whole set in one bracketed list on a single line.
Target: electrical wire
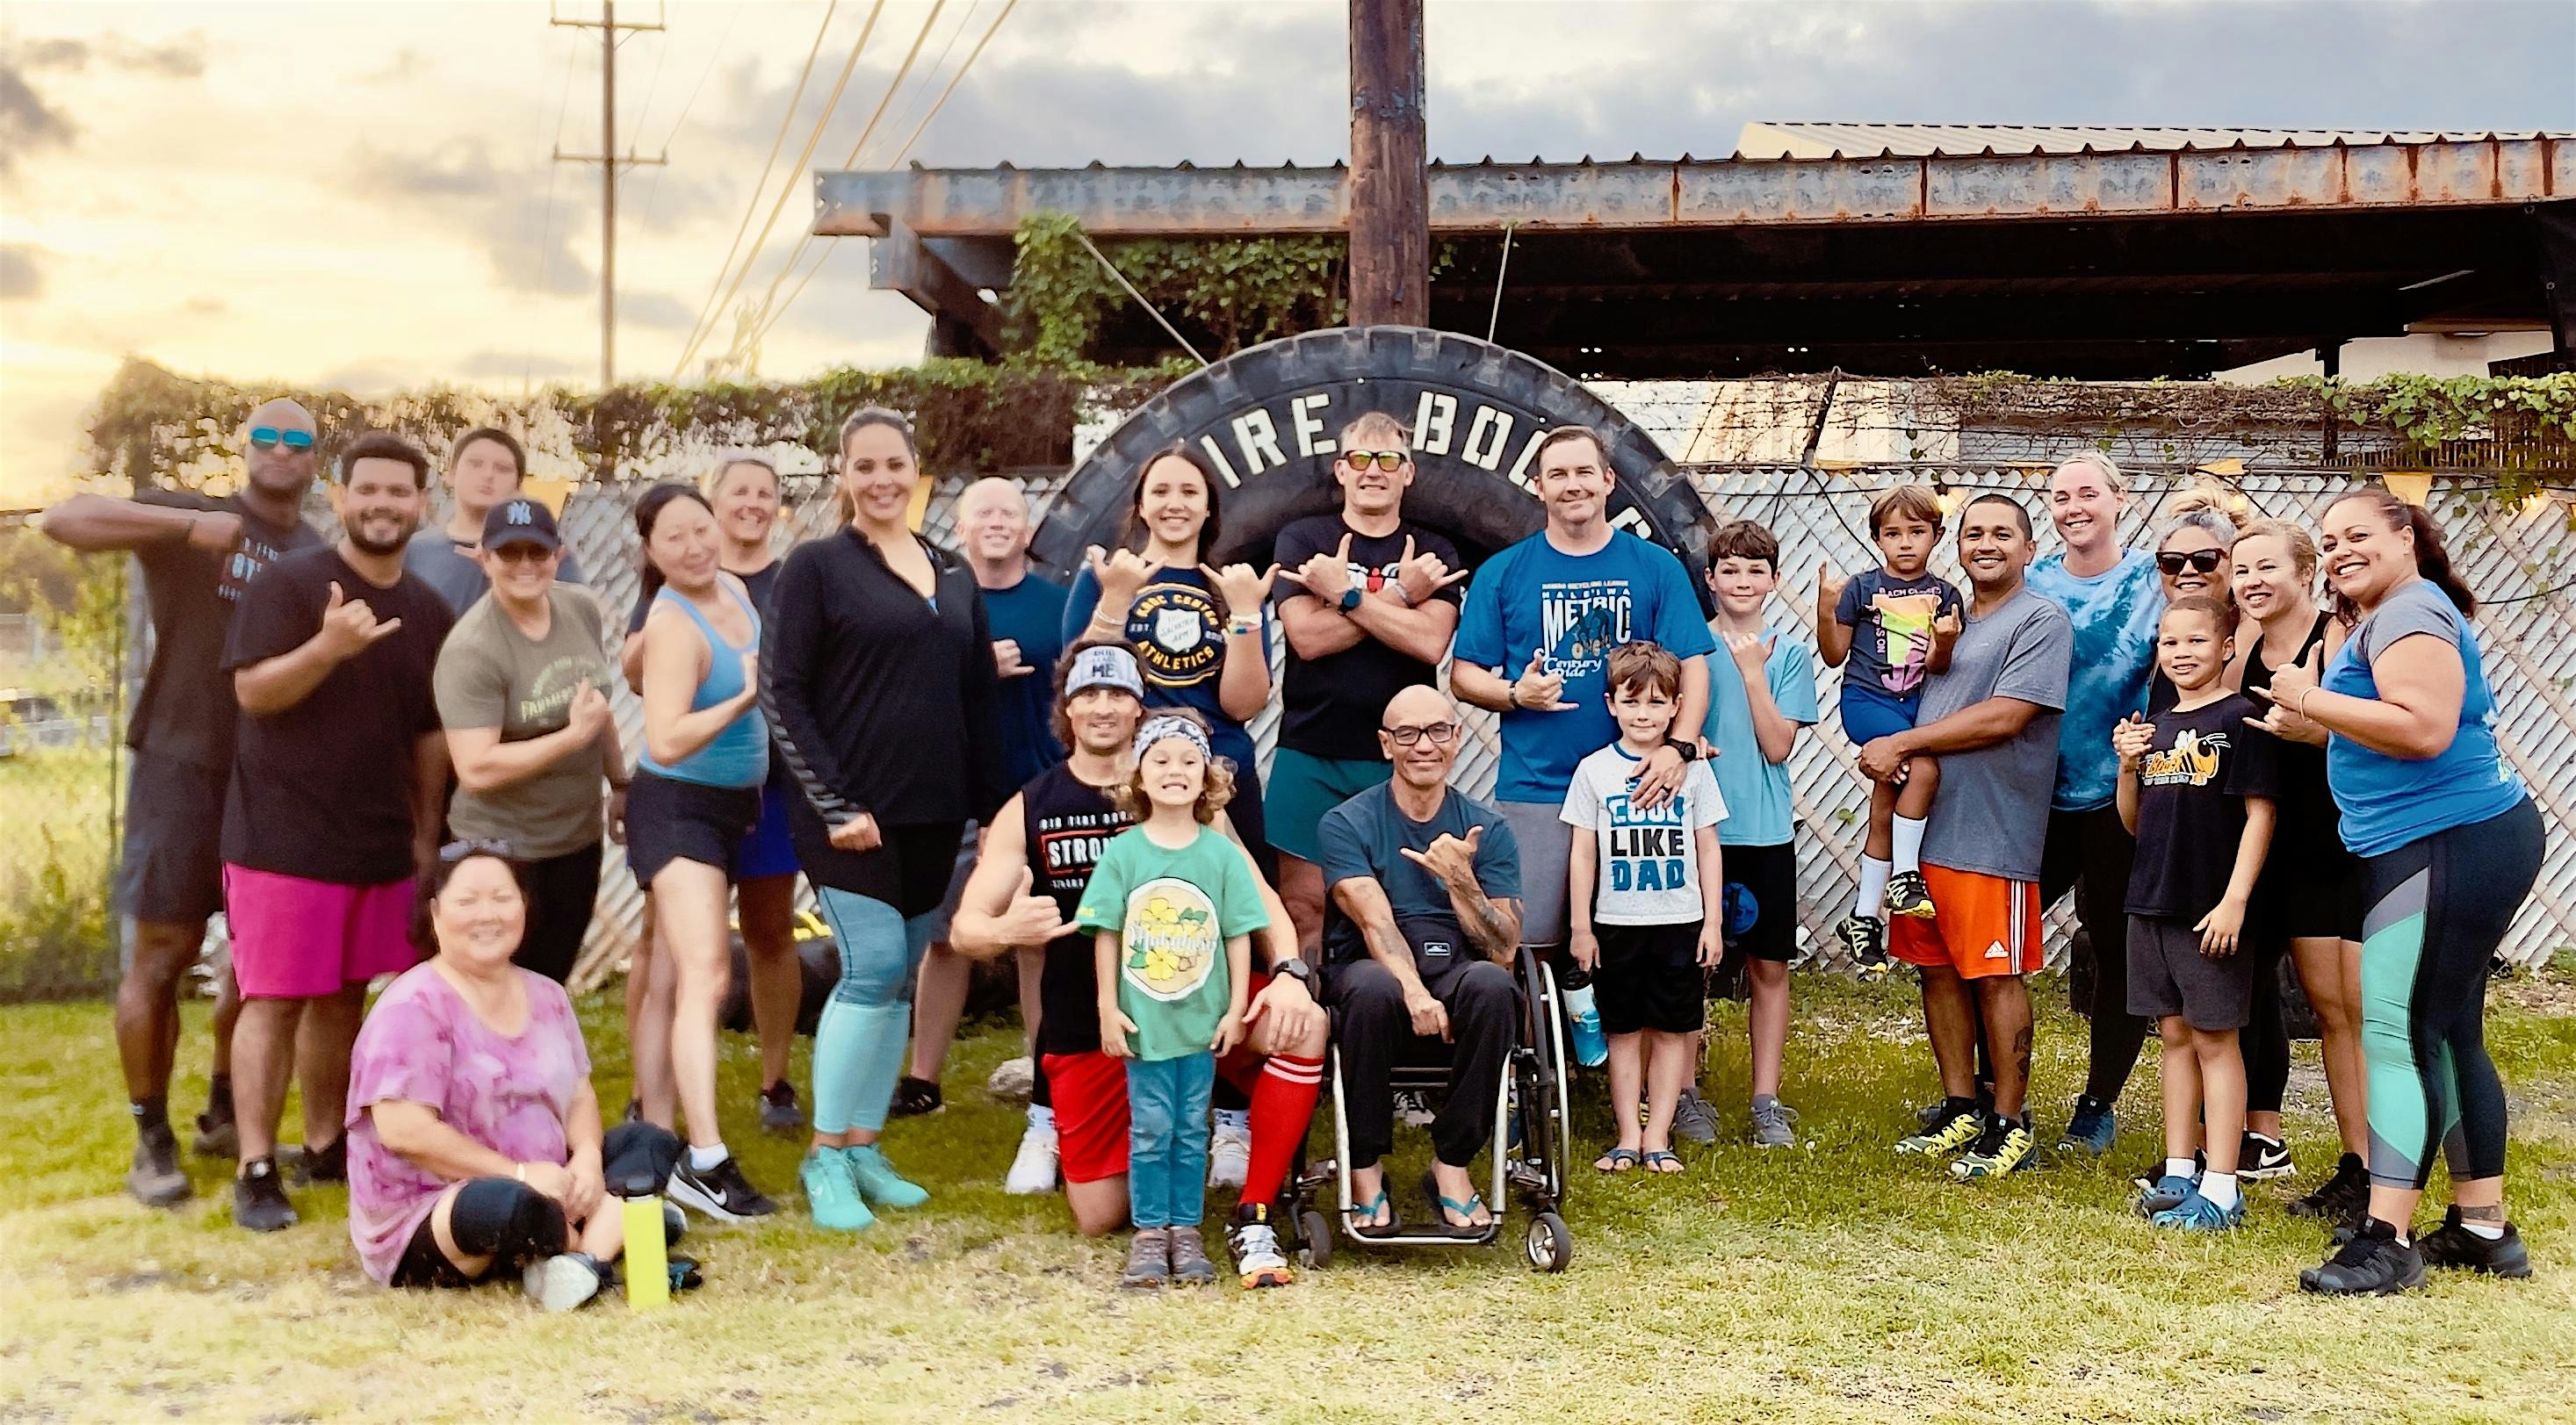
[(546, 229), (653, 190)]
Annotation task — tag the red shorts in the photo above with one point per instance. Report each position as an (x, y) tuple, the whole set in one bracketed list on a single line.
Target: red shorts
[(1984, 926), (299, 939), (1090, 1093)]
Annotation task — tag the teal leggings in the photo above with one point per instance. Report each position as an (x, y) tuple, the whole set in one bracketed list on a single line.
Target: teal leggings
[(2437, 910), (859, 1042)]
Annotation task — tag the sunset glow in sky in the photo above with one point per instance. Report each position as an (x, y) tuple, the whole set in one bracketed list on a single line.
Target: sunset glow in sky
[(360, 195)]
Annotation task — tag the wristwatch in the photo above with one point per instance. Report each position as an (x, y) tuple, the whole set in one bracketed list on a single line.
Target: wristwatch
[(1296, 968), (1351, 598), (1689, 750)]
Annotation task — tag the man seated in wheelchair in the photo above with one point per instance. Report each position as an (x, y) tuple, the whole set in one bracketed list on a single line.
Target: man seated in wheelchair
[(1422, 921)]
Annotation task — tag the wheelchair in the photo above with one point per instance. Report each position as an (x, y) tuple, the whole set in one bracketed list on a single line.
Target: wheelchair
[(1532, 1131)]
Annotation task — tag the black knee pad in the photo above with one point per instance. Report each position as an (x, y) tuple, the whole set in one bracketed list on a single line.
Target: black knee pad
[(505, 1220)]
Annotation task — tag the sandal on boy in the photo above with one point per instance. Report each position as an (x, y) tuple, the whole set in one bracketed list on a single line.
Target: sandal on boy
[(1656, 1159), (1615, 1159)]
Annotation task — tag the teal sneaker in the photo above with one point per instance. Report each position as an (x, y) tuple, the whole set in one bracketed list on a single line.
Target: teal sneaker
[(830, 1194), (2199, 1214), (878, 1181)]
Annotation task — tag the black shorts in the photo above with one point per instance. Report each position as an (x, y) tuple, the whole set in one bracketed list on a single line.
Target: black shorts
[(910, 869), (670, 820), (2168, 975), (1650, 978), (172, 871), (1761, 902), (2314, 896)]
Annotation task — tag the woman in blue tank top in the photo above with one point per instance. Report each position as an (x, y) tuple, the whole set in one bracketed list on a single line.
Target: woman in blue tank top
[(2450, 845), (696, 795)]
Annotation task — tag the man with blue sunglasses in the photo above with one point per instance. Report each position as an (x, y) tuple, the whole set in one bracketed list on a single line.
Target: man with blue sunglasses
[(197, 552)]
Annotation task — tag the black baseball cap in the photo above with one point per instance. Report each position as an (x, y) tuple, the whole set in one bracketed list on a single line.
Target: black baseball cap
[(519, 520)]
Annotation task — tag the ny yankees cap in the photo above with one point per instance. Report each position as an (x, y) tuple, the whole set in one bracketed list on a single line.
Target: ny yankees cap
[(521, 521)]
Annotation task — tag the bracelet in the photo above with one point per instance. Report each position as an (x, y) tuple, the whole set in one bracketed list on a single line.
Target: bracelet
[(1235, 627), (1396, 588), (2303, 702), (520, 1171)]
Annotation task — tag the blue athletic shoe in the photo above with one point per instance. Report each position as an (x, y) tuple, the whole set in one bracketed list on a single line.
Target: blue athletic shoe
[(2090, 1130), (2169, 1192), (2199, 1214), (877, 1180)]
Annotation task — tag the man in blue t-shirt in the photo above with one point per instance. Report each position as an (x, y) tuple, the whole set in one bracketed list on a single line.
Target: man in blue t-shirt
[(1541, 619)]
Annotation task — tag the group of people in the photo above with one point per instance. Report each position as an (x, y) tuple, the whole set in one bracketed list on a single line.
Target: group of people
[(401, 744)]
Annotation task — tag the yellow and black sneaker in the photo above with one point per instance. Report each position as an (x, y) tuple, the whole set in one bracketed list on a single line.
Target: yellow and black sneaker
[(1955, 1127), (2006, 1146), (1907, 895)]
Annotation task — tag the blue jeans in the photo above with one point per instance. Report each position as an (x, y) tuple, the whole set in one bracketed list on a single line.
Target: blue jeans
[(1167, 1139)]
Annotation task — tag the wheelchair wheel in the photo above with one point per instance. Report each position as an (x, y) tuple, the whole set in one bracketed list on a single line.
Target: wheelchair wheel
[(1316, 1235), (1550, 1243)]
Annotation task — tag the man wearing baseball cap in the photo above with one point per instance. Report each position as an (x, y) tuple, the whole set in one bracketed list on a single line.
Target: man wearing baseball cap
[(1037, 858), (522, 686)]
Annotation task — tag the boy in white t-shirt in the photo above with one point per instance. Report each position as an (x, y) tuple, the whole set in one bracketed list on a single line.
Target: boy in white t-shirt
[(1646, 896)]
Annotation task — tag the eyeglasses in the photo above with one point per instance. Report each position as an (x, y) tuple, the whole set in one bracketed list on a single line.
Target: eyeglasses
[(1389, 461), (270, 437), (1440, 733), (456, 851), (2203, 560)]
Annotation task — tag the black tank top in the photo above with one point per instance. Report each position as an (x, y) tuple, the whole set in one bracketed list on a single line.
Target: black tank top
[(1066, 822), (2306, 807)]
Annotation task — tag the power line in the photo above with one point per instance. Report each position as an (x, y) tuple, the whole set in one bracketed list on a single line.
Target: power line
[(546, 230), (752, 204), (653, 191), (929, 78)]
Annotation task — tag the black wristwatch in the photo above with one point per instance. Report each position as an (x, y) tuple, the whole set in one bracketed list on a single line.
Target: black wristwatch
[(1689, 750), (1296, 968)]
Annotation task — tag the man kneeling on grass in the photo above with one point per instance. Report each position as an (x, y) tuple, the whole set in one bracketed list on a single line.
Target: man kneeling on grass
[(1027, 885)]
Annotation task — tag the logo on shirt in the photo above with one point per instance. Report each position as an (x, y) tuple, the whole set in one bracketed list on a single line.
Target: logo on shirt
[(1580, 622), (2191, 762), (1173, 627), (246, 560), (1647, 850), (1905, 636), (1171, 945), (1070, 846)]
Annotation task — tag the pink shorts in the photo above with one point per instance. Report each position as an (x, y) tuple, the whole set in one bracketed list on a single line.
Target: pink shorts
[(300, 939)]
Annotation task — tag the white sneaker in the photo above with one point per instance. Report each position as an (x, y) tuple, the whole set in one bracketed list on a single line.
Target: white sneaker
[(1013, 1081), (1229, 1156), (1033, 1168), (561, 1282)]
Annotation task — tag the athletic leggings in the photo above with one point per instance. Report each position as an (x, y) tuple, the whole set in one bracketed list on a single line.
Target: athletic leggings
[(2436, 911), (859, 1042), (2265, 1040)]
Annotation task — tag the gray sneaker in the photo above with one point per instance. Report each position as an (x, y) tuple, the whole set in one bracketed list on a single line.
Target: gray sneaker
[(1149, 1258), (1694, 1119), (1775, 1125), (561, 1282)]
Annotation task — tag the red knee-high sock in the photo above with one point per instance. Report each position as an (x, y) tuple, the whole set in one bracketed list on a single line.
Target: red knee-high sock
[(1283, 1100)]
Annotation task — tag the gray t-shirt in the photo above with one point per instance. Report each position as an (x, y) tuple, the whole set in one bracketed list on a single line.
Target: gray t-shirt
[(491, 675), (458, 579), (1648, 870), (1991, 814)]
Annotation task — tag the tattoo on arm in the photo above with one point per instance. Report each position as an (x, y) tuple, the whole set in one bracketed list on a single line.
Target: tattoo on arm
[(1487, 926)]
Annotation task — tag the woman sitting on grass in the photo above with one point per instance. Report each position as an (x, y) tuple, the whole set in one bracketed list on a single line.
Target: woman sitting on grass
[(474, 1137)]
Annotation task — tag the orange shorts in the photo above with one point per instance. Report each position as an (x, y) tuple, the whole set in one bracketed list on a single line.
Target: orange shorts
[(1985, 925)]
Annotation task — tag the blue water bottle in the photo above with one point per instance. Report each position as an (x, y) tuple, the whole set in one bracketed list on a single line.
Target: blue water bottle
[(1583, 1019)]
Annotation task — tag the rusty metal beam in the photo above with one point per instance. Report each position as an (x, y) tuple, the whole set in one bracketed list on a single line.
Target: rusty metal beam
[(1694, 193)]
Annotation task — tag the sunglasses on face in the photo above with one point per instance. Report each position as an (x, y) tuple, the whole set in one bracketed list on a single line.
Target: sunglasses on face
[(523, 554), (270, 437), (1389, 461), (1440, 733), (2202, 560)]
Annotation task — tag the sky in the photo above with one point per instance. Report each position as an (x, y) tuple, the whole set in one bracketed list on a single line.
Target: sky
[(362, 196)]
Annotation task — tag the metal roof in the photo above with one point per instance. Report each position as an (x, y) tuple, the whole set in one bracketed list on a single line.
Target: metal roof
[(1768, 139)]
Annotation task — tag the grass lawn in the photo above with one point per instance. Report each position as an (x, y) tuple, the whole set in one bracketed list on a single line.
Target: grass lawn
[(1827, 1282)]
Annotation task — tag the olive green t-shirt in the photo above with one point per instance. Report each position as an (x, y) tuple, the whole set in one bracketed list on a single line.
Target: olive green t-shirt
[(492, 675)]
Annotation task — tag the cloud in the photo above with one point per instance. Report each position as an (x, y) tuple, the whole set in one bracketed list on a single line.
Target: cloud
[(495, 365), (21, 277), (27, 122), (368, 378), (659, 310), (183, 58), (502, 209)]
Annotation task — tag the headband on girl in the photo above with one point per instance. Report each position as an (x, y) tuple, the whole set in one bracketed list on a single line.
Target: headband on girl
[(1167, 727), (1105, 665)]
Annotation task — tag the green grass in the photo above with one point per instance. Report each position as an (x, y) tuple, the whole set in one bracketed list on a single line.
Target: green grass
[(1828, 1282), (55, 862)]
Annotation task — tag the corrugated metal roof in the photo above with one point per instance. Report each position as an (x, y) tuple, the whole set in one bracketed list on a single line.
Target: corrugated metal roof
[(1769, 140)]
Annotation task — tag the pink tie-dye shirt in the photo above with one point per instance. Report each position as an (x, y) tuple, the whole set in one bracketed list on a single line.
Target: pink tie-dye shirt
[(511, 1093)]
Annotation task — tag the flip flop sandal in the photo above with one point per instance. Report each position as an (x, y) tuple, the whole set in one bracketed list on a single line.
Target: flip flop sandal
[(1443, 1206), (1372, 1208), (1616, 1160), (1655, 1162)]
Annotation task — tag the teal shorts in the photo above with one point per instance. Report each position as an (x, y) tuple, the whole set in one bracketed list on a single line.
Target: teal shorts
[(1302, 788)]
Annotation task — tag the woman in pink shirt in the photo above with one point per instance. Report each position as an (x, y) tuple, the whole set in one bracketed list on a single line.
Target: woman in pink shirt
[(474, 1135)]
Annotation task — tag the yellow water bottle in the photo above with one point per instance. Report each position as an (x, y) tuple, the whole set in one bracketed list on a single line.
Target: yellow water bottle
[(648, 1261)]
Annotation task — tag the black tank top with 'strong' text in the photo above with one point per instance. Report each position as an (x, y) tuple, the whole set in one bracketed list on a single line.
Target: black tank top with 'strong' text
[(1066, 823)]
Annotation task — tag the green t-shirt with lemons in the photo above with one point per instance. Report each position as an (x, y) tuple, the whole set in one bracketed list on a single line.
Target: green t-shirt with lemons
[(1173, 911)]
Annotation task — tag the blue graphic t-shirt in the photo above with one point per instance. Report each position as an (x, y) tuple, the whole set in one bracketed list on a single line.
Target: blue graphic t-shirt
[(2390, 801), (2115, 614), (1030, 613), (1177, 627), (1759, 811), (1647, 871), (1891, 628), (1571, 610)]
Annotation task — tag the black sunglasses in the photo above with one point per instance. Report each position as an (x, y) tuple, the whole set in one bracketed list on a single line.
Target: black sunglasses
[(2203, 560)]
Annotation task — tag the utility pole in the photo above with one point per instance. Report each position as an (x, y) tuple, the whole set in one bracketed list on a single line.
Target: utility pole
[(1390, 188), (609, 162)]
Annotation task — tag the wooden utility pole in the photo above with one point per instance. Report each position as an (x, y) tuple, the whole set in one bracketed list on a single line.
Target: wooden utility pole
[(609, 162), (1390, 188)]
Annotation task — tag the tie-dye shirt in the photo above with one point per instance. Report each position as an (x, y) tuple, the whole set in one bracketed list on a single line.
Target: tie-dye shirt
[(2115, 614), (511, 1093)]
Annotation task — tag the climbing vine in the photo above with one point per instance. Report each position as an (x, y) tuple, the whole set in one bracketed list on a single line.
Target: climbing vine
[(1224, 293)]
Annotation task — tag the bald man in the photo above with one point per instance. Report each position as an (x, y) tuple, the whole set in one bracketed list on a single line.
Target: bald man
[(1026, 612), (197, 554)]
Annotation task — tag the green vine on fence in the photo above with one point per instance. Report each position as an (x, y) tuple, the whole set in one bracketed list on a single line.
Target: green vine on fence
[(1225, 293)]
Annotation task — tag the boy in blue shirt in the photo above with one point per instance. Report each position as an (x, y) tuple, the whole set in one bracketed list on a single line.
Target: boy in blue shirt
[(1759, 697)]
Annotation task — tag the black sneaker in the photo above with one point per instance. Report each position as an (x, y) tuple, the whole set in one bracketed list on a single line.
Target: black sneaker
[(779, 1110), (217, 1137), (2370, 1262), (721, 1192), (914, 1097), (259, 1198), (155, 1179), (2453, 1245), (327, 1164), (1907, 895), (1864, 942), (2343, 1199), (2260, 1159)]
